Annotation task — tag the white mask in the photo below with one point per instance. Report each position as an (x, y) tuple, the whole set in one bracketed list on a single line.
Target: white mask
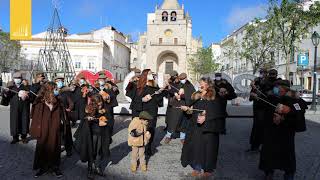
[(183, 81), (17, 81), (218, 78), (150, 77), (102, 82), (82, 82)]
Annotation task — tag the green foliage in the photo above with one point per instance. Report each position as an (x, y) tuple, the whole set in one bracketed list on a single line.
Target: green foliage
[(9, 52), (202, 62), (291, 24)]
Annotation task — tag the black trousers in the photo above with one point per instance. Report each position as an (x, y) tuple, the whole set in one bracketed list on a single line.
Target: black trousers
[(256, 136)]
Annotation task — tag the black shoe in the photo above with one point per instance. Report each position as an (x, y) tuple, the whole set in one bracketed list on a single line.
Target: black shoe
[(98, 171), (148, 151), (90, 174), (57, 173), (40, 173), (288, 176), (69, 153), (14, 141), (25, 141)]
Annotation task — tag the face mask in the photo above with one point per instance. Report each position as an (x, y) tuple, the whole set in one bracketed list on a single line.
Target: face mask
[(60, 84), (183, 81), (82, 82), (102, 82), (276, 91), (150, 77), (56, 92), (17, 81), (218, 78)]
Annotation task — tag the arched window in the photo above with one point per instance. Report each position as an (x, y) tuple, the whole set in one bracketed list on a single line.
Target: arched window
[(173, 16), (165, 16)]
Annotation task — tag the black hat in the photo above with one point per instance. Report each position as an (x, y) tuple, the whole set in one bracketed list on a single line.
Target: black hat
[(174, 74), (283, 83), (183, 76), (145, 115), (273, 72), (218, 74)]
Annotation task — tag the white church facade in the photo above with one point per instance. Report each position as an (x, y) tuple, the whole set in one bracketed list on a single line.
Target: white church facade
[(168, 43)]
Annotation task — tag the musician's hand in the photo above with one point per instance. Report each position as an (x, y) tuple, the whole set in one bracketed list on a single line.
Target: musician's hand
[(254, 95), (115, 89), (184, 108), (68, 110), (181, 91), (177, 96), (147, 98), (201, 119), (277, 118)]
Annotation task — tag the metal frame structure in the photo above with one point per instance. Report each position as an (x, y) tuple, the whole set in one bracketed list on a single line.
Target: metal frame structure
[(54, 59)]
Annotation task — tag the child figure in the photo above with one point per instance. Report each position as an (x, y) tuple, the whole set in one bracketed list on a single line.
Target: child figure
[(138, 138)]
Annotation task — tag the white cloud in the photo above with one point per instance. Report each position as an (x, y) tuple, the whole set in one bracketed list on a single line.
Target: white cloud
[(242, 15)]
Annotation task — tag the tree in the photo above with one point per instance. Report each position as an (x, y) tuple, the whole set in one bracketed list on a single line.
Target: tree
[(291, 24), (257, 45), (202, 62), (9, 53)]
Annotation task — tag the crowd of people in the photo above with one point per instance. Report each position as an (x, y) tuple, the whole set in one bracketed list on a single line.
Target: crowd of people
[(197, 117)]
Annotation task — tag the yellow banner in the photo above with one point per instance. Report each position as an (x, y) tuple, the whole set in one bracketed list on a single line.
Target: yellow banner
[(20, 19)]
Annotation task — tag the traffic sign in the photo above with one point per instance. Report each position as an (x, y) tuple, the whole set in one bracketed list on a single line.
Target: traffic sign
[(303, 59)]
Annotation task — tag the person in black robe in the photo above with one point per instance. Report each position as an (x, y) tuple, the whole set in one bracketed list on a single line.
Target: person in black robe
[(148, 97), (225, 93), (200, 150), (180, 91), (107, 86), (79, 97), (258, 111), (281, 124), (131, 92), (92, 140), (47, 116), (64, 94), (16, 94)]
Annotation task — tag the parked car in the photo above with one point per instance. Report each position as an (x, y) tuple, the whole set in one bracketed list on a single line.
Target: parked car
[(305, 94)]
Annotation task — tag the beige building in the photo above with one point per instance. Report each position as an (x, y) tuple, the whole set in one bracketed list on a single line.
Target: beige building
[(105, 48), (168, 43)]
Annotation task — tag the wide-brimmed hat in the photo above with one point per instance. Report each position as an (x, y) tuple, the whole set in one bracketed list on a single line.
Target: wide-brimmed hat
[(145, 115), (17, 75), (183, 76), (174, 74), (59, 77)]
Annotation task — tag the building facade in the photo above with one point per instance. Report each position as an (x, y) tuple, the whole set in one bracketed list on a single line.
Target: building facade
[(105, 48), (168, 43), (298, 75)]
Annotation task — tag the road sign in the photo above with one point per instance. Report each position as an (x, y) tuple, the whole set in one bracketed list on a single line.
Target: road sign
[(303, 59)]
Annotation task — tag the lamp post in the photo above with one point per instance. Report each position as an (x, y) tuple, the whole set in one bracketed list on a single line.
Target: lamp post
[(315, 40)]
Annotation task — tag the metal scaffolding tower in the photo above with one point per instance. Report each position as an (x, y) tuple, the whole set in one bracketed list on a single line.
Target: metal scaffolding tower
[(54, 58)]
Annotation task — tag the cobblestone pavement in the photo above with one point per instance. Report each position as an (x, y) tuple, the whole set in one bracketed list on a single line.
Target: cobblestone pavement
[(234, 164)]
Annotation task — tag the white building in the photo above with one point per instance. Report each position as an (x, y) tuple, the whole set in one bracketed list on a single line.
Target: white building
[(168, 43), (105, 48), (234, 65)]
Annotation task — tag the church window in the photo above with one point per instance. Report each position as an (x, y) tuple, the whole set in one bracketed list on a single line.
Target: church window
[(169, 67), (175, 41), (160, 40), (165, 16), (173, 16)]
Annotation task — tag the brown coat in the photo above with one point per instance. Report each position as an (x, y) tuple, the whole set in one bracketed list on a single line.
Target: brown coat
[(140, 126), (45, 127)]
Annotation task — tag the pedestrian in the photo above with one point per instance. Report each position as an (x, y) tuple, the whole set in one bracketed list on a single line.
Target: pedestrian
[(47, 116), (179, 94), (200, 150), (280, 126), (17, 95), (138, 138), (93, 137), (64, 94)]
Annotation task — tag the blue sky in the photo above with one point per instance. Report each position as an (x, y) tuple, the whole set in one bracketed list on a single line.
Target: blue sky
[(212, 19)]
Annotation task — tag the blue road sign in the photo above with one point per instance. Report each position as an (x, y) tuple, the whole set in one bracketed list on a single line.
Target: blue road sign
[(303, 59)]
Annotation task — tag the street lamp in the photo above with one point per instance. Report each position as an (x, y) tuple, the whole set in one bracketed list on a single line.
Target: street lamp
[(315, 40)]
